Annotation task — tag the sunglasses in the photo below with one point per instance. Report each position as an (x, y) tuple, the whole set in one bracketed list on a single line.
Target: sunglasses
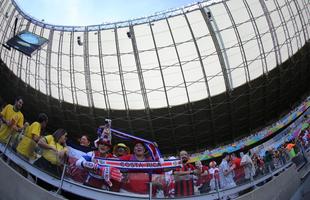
[(121, 149)]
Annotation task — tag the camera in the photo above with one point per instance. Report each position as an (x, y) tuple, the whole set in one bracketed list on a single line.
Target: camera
[(107, 122), (104, 128)]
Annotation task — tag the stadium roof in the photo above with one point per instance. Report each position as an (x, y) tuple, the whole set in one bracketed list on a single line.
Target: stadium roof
[(203, 74)]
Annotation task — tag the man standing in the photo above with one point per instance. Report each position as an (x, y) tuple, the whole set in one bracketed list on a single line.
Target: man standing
[(120, 150), (12, 119), (27, 145), (238, 169), (136, 181), (203, 180), (248, 165), (184, 183), (226, 174)]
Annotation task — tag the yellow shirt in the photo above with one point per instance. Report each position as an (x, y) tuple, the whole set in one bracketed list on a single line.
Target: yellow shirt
[(50, 155), (27, 145), (9, 114)]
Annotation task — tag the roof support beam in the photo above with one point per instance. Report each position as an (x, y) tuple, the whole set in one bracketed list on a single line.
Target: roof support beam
[(48, 63), (38, 64), (272, 31), (72, 73), (242, 51), (141, 79), (139, 69), (285, 30), (20, 66), (204, 76), (259, 40), (3, 3), (28, 61), (119, 62), (303, 21), (306, 7), (295, 26), (103, 79), (172, 121), (87, 71), (5, 30), (219, 46)]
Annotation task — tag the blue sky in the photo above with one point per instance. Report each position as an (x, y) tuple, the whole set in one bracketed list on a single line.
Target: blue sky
[(88, 12)]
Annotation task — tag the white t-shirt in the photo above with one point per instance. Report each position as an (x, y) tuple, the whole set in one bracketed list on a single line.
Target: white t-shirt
[(249, 169), (228, 180)]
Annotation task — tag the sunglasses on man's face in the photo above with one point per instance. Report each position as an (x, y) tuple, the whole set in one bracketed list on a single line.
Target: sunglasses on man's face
[(121, 148)]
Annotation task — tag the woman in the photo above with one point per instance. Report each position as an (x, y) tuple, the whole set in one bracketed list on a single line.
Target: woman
[(54, 152), (83, 145), (97, 176), (75, 152), (84, 141)]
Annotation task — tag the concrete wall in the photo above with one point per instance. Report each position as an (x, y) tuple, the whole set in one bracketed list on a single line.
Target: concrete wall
[(281, 187), (15, 187)]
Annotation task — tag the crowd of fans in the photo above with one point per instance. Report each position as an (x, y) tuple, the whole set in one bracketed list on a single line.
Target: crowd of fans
[(256, 136), (51, 152)]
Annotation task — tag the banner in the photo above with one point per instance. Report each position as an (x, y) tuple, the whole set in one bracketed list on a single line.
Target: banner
[(151, 146), (139, 165)]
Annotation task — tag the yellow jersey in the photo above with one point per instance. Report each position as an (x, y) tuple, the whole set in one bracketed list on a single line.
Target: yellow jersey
[(17, 118), (27, 145), (50, 155)]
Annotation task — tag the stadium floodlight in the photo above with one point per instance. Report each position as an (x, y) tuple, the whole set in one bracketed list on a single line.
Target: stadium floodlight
[(79, 41), (128, 34)]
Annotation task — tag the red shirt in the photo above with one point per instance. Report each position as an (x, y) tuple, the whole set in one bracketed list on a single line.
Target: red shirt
[(138, 182), (185, 186), (204, 177), (97, 154), (239, 171), (237, 162), (132, 157), (186, 167)]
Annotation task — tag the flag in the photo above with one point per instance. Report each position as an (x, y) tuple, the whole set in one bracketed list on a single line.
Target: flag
[(151, 146)]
